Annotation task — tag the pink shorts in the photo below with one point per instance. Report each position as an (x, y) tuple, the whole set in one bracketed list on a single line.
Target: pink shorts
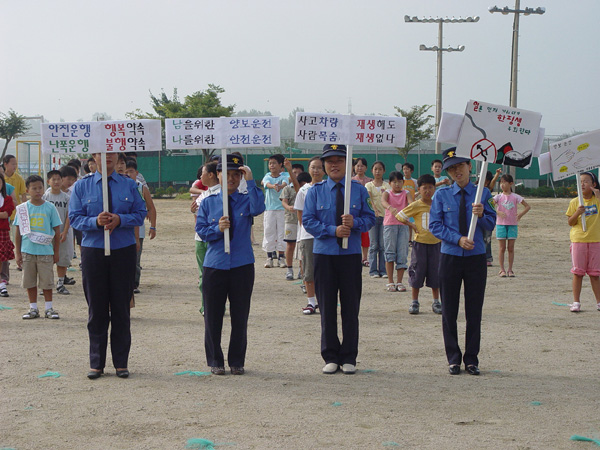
[(586, 258)]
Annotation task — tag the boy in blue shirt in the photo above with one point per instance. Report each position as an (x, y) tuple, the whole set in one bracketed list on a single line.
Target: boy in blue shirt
[(228, 275), (36, 246), (274, 218)]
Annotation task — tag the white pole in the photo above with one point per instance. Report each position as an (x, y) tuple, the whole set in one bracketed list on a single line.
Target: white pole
[(580, 195), (225, 193), (105, 202), (347, 187), (480, 186)]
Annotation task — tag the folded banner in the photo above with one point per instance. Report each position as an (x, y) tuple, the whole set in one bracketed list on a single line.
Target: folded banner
[(25, 227)]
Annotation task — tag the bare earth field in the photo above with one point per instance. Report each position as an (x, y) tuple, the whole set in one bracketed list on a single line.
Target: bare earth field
[(539, 383)]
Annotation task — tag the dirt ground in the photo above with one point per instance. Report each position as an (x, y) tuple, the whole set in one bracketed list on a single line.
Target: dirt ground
[(539, 383)]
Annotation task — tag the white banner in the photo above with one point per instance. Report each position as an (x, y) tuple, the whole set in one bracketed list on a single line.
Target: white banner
[(375, 131), (575, 155), (222, 132), (499, 134), (102, 137)]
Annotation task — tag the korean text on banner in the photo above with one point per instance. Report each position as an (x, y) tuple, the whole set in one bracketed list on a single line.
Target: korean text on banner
[(129, 136), (499, 134), (67, 137), (251, 132), (193, 133), (374, 131), (576, 154)]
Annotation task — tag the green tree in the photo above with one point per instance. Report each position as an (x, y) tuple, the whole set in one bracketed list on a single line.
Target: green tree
[(417, 127), (12, 125), (199, 104)]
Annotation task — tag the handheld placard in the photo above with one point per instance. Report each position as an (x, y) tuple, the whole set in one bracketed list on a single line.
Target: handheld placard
[(580, 196), (478, 194), (225, 194), (347, 188), (105, 203)]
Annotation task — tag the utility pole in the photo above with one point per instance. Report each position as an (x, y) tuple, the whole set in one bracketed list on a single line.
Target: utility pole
[(439, 49)]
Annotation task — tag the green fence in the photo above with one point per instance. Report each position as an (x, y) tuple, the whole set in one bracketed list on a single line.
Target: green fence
[(181, 170)]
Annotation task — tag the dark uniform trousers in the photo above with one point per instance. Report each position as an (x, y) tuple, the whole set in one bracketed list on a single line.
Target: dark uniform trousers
[(217, 286), (108, 286), (333, 274), (454, 270)]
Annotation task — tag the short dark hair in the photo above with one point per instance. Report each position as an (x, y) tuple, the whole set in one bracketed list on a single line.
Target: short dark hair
[(304, 177), (211, 167), (277, 157), (378, 162), (314, 158), (426, 178), (437, 161), (409, 165), (86, 167), (33, 179), (131, 164), (68, 171), (75, 163), (52, 173), (131, 155), (361, 159), (121, 157), (298, 166), (7, 158), (489, 176), (3, 189), (396, 175), (90, 159), (509, 179)]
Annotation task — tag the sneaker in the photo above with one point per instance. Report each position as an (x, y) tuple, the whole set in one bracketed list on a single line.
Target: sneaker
[(68, 281), (282, 262), (218, 370), (303, 289), (269, 263), (414, 308), (61, 289), (374, 275), (349, 369), (575, 307), (308, 309), (51, 314), (289, 276), (136, 291), (330, 368), (32, 314), (436, 307), (3, 292)]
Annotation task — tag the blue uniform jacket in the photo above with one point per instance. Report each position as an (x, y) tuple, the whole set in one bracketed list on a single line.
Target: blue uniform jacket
[(443, 218), (244, 207), (318, 217), (86, 204)]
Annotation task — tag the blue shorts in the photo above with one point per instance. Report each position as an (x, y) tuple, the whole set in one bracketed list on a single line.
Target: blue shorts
[(507, 231)]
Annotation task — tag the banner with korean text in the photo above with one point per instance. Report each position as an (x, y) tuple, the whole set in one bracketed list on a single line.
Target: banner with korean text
[(574, 155), (222, 132), (102, 137), (377, 131)]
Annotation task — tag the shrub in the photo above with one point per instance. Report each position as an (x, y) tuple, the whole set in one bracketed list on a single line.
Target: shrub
[(170, 191)]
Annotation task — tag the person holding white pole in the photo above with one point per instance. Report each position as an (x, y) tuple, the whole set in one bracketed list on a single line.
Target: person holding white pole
[(107, 279), (337, 269), (462, 260)]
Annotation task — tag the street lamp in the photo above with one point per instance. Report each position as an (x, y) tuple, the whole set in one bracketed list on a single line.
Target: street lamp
[(439, 49), (515, 47)]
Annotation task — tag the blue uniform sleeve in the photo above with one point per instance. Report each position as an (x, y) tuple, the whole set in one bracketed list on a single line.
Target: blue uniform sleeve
[(257, 199), (437, 226), (77, 214), (207, 225), (366, 219), (488, 221)]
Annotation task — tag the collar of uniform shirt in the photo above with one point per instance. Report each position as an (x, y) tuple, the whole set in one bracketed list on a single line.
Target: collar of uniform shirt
[(98, 176), (332, 184), (469, 188)]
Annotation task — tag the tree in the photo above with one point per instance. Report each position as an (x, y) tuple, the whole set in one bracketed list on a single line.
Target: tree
[(12, 125), (199, 104), (417, 127)]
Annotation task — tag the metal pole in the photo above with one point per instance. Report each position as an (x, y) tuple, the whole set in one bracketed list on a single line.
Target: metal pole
[(438, 95)]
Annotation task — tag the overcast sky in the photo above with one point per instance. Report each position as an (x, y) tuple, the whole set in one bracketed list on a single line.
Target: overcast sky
[(67, 59)]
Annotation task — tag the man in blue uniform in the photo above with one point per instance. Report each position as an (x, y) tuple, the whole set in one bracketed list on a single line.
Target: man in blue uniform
[(228, 275), (337, 269), (462, 260), (107, 280)]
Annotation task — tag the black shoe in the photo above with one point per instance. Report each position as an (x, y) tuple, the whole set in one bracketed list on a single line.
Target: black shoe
[(454, 369), (68, 281), (122, 373), (237, 371), (472, 369), (217, 370), (136, 291), (93, 374)]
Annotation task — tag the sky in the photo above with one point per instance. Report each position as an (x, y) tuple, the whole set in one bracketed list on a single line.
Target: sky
[(68, 59)]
